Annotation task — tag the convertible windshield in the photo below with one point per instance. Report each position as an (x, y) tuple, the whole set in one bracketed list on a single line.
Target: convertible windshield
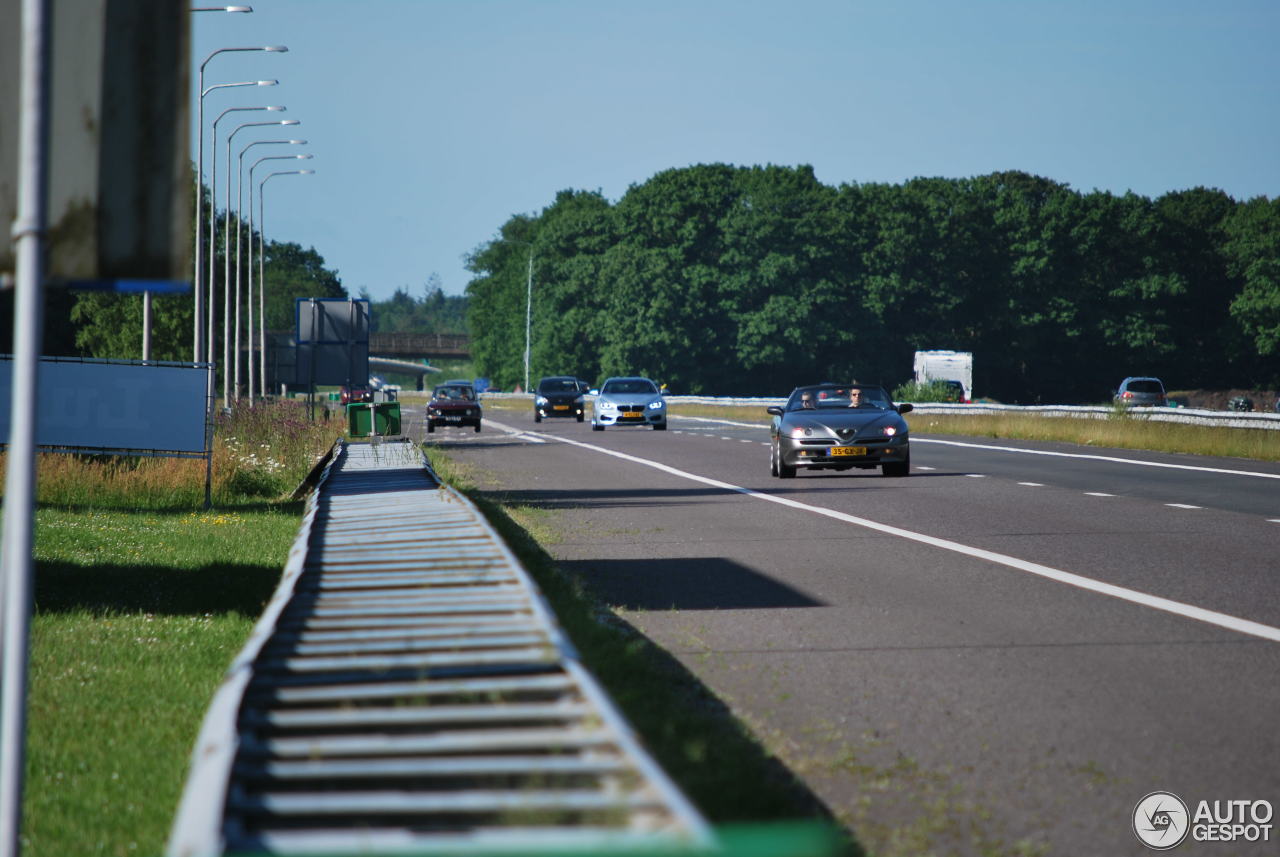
[(833, 396), (629, 386), (461, 393)]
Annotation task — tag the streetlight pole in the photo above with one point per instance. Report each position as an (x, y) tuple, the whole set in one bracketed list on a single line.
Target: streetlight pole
[(200, 89), (240, 220), (262, 283), (226, 252), (528, 317), (226, 239)]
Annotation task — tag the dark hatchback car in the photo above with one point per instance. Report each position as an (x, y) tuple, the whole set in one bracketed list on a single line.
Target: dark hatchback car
[(839, 427), (454, 403), (559, 396), (1141, 392)]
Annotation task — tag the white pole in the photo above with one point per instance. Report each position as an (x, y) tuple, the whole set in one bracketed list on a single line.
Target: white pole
[(528, 318), (20, 475)]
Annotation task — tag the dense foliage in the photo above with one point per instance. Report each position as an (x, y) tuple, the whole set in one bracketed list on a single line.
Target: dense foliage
[(433, 312), (748, 280)]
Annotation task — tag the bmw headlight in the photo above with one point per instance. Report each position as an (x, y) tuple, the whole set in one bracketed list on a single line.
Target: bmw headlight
[(607, 406), (658, 405), (539, 400)]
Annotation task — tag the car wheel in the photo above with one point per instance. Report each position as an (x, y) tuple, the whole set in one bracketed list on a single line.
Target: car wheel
[(431, 427), (596, 427), (537, 417), (477, 428), (785, 471), (773, 459), (897, 468), (659, 426), (579, 417)]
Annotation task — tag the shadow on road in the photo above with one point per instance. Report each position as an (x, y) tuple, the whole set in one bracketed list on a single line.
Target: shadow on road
[(684, 583)]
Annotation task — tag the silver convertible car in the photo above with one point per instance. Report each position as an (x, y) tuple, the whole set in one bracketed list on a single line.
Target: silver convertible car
[(839, 427), (629, 402)]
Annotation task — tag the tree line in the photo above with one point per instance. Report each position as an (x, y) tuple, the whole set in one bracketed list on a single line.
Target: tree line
[(721, 279)]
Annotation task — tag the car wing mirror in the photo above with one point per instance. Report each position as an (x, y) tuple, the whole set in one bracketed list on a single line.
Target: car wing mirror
[(906, 407), (775, 410)]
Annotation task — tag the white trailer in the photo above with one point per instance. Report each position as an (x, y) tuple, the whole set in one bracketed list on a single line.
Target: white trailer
[(946, 366)]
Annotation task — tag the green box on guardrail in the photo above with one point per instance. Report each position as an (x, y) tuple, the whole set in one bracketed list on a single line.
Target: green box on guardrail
[(365, 418)]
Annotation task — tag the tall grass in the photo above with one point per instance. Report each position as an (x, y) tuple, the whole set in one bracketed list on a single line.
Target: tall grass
[(260, 452)]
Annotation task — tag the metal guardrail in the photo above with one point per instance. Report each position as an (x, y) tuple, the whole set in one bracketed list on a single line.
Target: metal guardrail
[(1191, 416), (408, 690)]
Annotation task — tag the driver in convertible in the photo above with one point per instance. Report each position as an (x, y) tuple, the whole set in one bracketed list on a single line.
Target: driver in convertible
[(855, 398)]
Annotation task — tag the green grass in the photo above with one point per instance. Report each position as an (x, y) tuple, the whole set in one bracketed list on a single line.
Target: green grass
[(138, 614)]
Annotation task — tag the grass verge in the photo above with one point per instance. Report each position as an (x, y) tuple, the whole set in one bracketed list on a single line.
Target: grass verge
[(138, 614), (710, 754), (141, 600)]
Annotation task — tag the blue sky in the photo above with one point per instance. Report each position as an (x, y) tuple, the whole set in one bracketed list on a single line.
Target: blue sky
[(433, 121)]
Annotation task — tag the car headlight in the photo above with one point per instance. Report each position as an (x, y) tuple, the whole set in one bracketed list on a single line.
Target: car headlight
[(801, 432), (607, 406), (890, 431), (539, 400), (658, 405)]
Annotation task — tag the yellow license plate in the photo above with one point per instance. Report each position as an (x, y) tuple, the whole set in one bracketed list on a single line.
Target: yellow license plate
[(559, 407), (848, 450)]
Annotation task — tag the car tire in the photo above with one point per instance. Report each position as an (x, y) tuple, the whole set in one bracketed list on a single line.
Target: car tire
[(659, 426), (773, 459), (785, 471), (477, 428), (579, 417), (897, 468), (537, 417), (595, 427), (431, 427)]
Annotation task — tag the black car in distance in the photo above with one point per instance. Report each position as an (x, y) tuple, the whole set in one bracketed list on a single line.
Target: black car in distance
[(559, 396)]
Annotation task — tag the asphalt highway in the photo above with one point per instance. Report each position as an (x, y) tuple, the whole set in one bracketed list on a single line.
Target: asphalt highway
[(1000, 654)]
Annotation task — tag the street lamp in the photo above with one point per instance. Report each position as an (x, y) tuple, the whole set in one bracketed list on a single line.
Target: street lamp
[(262, 283), (240, 219), (200, 172), (528, 308), (226, 338), (226, 239)]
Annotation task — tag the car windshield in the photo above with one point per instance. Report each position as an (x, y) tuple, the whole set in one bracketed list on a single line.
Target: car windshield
[(558, 385), (1145, 387), (836, 396), (629, 386), (465, 394)]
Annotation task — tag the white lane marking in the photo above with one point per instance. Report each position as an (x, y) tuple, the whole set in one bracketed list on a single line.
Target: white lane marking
[(1273, 520), (721, 422), (1032, 484), (744, 440), (976, 475), (1155, 602), (1182, 506), (1098, 458), (922, 467), (722, 437), (1110, 458), (1097, 494)]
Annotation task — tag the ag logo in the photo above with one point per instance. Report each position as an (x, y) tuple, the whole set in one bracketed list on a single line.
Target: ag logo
[(1161, 821)]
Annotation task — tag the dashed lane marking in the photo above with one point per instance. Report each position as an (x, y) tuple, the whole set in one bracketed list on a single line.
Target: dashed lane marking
[(1133, 596)]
